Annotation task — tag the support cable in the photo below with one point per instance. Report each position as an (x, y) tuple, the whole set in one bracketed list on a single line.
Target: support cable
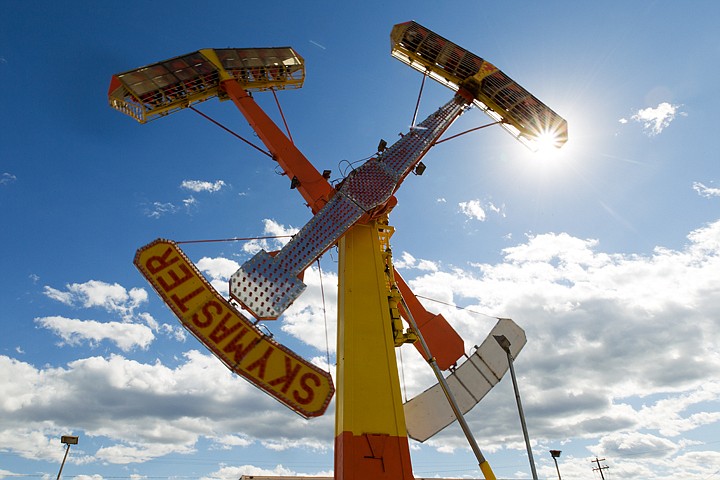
[(467, 131), (235, 239), (230, 131), (402, 375), (282, 115), (322, 294), (417, 105)]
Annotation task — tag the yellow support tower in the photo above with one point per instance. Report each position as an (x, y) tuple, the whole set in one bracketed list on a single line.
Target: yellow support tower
[(370, 434)]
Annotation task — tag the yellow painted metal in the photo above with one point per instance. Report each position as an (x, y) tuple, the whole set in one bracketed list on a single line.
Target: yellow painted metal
[(234, 339), (162, 88), (400, 335), (213, 58), (368, 398), (487, 471)]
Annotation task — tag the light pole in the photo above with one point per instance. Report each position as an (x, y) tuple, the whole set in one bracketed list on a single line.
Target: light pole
[(505, 345), (67, 440), (555, 455)]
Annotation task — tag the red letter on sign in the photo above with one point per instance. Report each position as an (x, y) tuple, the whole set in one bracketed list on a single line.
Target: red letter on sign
[(261, 363), (290, 374), (208, 316), (235, 346), (303, 384), (180, 302), (221, 331), (155, 264), (177, 280)]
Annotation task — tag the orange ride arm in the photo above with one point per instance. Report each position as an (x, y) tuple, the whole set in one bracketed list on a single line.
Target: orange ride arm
[(314, 188), (443, 341)]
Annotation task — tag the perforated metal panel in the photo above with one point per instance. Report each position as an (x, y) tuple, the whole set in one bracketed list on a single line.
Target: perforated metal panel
[(267, 285)]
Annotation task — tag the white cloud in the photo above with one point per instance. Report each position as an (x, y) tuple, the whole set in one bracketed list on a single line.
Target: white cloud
[(73, 332), (226, 442), (6, 179), (137, 452), (190, 202), (88, 477), (158, 209), (655, 120), (621, 347), (705, 191), (63, 297), (407, 261), (498, 210), (306, 320), (113, 298), (219, 270), (473, 210), (140, 411), (233, 473), (271, 229), (477, 210), (637, 445), (202, 185)]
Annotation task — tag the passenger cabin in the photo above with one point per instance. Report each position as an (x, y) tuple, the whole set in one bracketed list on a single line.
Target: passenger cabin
[(521, 113), (162, 88)]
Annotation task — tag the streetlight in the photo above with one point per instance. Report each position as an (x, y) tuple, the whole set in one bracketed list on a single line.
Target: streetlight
[(67, 440), (555, 455), (505, 345)]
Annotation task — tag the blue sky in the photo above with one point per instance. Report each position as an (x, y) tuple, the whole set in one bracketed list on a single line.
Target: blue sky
[(608, 255)]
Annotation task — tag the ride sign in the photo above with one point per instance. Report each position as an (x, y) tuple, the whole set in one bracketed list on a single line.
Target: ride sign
[(235, 340)]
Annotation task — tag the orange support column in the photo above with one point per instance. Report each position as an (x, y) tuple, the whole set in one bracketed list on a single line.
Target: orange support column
[(371, 439)]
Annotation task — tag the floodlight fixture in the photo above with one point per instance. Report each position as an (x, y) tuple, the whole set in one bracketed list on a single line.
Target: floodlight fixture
[(555, 455), (67, 440)]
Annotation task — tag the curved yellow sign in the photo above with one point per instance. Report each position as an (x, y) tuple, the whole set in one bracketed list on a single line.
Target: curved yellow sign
[(235, 340)]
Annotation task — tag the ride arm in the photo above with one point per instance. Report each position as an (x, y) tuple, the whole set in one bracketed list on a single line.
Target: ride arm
[(314, 188)]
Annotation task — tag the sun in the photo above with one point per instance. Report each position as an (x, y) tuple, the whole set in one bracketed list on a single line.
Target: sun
[(549, 149)]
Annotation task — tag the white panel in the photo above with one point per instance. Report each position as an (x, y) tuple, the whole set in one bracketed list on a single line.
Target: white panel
[(428, 413)]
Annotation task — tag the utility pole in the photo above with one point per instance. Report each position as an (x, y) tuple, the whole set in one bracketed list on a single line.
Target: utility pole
[(599, 468)]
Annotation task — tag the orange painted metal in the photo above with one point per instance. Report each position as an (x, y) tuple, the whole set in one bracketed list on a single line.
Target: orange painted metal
[(314, 188), (443, 341), (372, 456)]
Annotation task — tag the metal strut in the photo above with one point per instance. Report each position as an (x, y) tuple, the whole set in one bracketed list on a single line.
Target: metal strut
[(482, 462), (282, 115), (417, 105), (229, 131)]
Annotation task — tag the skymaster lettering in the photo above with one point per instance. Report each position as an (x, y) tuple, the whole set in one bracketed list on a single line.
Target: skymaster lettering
[(226, 332)]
